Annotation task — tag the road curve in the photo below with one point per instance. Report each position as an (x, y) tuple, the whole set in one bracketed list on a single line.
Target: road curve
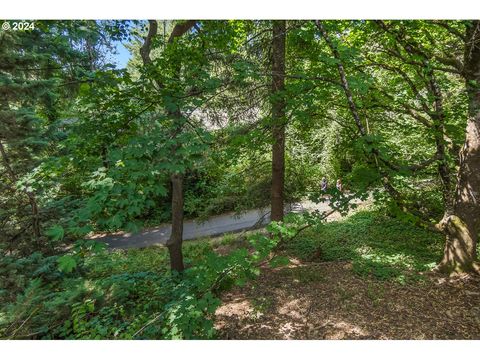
[(214, 226)]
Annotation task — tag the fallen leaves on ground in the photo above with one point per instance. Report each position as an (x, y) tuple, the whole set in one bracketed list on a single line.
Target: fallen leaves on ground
[(329, 301)]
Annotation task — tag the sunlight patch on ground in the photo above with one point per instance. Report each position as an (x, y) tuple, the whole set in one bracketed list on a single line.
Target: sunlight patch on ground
[(342, 329), (237, 307), (295, 309)]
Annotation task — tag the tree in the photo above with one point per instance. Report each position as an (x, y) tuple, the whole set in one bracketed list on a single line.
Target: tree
[(461, 223), (278, 118), (428, 68), (41, 71), (174, 244)]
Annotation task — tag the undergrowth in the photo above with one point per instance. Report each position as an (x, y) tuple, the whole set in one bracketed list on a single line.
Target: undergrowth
[(91, 293), (375, 243)]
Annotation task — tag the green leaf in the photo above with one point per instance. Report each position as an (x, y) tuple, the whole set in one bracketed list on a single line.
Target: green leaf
[(278, 261), (56, 232), (67, 263)]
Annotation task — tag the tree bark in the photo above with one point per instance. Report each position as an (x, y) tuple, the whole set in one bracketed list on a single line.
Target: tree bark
[(174, 244), (278, 120), (147, 44), (462, 225)]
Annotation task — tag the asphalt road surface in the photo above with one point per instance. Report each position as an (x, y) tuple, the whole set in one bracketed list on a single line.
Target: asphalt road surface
[(216, 225)]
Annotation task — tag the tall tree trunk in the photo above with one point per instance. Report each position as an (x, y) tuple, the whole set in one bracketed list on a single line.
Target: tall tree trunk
[(174, 244), (175, 241), (278, 120), (461, 226)]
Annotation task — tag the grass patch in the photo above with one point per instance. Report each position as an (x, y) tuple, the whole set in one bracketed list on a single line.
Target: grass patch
[(376, 244), (150, 259)]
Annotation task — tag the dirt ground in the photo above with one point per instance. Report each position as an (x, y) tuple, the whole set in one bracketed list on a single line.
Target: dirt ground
[(329, 301)]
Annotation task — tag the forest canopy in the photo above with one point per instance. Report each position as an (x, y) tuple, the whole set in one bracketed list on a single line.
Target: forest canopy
[(212, 117)]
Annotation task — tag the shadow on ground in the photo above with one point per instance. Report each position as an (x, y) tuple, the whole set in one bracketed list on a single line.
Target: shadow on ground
[(329, 301), (367, 276)]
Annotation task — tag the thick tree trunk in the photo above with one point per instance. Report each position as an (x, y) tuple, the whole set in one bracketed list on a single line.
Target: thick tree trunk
[(174, 244), (278, 120), (462, 224)]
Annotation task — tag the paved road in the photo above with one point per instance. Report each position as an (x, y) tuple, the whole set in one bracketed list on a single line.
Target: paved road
[(216, 225)]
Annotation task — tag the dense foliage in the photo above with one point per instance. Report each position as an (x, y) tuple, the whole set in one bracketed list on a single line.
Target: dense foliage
[(90, 293), (210, 117)]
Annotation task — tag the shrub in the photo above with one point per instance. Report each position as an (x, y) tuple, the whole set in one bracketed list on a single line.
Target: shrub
[(89, 293)]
